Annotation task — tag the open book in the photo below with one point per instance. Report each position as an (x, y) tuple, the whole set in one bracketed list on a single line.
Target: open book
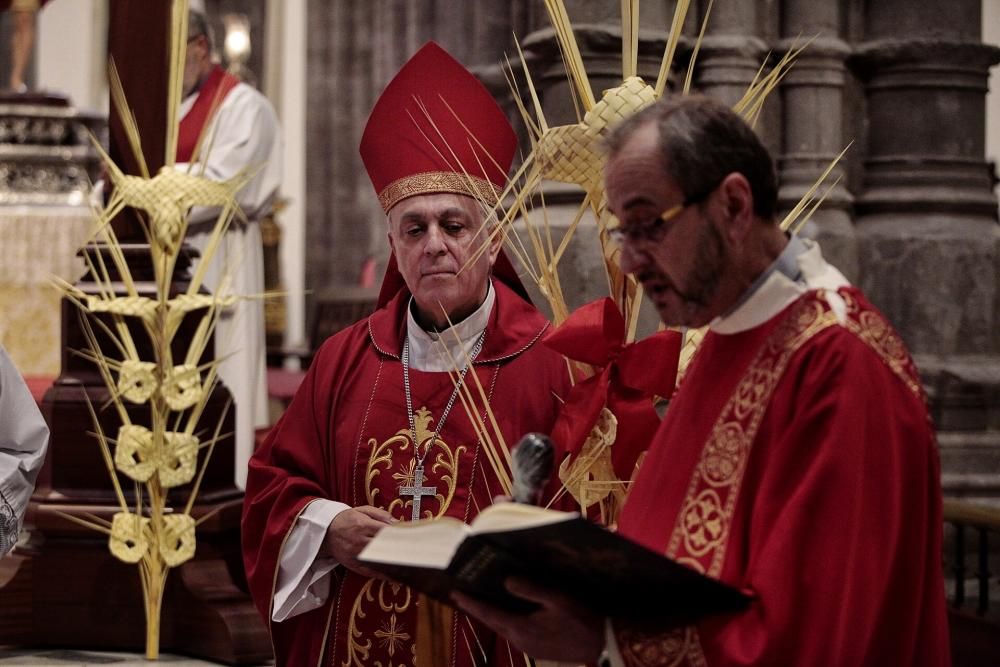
[(606, 572)]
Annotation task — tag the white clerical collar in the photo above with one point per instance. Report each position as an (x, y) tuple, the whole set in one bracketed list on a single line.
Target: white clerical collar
[(433, 351), (799, 267)]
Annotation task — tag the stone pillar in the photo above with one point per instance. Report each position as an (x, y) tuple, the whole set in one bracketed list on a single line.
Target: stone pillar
[(354, 51), (731, 52), (476, 33), (342, 78), (735, 45), (813, 129), (929, 245)]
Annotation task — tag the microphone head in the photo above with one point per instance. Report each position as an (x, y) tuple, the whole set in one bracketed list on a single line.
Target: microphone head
[(531, 466)]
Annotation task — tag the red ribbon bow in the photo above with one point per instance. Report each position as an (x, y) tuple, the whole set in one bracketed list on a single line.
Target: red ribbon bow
[(628, 377)]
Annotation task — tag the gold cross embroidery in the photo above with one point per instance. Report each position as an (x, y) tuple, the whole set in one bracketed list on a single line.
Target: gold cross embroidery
[(390, 636)]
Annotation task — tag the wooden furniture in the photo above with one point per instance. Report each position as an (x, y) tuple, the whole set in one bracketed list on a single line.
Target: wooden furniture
[(333, 311), (974, 622)]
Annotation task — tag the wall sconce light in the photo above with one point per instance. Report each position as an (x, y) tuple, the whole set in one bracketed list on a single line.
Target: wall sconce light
[(237, 41), (236, 46)]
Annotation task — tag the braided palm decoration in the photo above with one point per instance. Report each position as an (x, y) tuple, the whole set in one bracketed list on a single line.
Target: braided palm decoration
[(574, 154), (166, 452)]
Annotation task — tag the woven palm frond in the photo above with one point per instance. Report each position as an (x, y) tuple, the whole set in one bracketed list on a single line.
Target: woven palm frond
[(168, 448), (574, 154)]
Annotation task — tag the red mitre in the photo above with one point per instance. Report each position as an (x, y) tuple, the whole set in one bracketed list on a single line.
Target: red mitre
[(436, 128)]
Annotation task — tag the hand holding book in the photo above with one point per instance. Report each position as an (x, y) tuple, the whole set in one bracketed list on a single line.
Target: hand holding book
[(543, 632), (601, 571), (537, 576)]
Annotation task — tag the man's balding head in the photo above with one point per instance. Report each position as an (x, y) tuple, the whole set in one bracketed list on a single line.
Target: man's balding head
[(695, 194), (198, 55), (701, 141)]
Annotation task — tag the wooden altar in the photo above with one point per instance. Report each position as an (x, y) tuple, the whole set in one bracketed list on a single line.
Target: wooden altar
[(47, 163)]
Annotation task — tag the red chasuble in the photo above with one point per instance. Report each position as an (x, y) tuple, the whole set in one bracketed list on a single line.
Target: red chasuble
[(213, 90), (346, 437), (797, 461)]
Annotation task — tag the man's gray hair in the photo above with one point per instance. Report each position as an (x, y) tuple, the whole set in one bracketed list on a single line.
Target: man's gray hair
[(198, 25), (702, 141)]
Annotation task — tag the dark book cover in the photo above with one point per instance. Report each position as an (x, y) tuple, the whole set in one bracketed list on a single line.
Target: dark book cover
[(608, 573)]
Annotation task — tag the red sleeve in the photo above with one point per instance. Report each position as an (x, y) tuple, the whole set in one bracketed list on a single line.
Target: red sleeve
[(290, 469), (839, 537)]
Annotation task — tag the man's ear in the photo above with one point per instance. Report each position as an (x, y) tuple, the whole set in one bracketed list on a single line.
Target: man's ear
[(388, 233), (737, 200), (496, 242), (201, 42)]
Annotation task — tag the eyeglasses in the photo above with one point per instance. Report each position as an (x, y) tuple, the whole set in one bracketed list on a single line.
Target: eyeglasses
[(654, 230)]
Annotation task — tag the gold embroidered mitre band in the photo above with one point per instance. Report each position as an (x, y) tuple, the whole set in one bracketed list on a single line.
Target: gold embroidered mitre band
[(438, 181), (435, 128)]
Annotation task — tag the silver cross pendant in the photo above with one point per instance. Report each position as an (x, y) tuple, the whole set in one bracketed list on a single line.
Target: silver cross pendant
[(416, 491)]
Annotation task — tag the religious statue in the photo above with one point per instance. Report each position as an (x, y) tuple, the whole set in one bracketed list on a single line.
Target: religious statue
[(24, 13)]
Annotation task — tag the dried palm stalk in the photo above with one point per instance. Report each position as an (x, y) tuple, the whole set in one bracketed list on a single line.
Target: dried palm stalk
[(168, 450)]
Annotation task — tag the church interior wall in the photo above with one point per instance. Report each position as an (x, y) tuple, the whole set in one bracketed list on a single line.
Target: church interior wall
[(285, 84), (70, 60), (991, 35)]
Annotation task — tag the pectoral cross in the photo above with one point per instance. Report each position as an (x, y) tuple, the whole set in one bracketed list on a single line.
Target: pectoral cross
[(416, 491)]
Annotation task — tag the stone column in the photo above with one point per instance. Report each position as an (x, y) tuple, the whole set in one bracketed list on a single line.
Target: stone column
[(731, 52), (813, 129), (355, 49), (929, 245), (477, 32), (343, 75)]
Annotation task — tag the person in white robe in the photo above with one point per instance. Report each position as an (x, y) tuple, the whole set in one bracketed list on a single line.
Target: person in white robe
[(242, 133)]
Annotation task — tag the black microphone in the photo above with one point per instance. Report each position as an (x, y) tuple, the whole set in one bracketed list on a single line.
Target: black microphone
[(531, 465)]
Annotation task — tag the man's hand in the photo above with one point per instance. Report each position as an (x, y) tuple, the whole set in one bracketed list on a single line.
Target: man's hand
[(349, 533), (561, 630)]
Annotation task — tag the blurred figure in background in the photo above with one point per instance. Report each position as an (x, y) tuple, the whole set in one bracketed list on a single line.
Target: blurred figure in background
[(240, 131)]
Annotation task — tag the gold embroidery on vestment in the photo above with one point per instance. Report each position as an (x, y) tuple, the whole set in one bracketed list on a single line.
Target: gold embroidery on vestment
[(394, 599), (705, 524), (876, 332), (701, 532), (702, 525), (668, 649), (357, 652), (444, 462)]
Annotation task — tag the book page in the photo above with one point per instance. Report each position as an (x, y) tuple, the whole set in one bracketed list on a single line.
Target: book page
[(515, 516), (418, 543)]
